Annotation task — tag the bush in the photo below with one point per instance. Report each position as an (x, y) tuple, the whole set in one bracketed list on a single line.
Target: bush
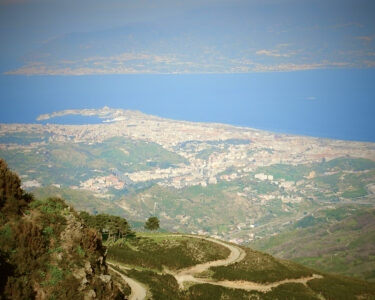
[(334, 287)]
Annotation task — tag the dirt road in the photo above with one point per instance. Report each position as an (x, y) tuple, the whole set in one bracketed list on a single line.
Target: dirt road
[(187, 274), (236, 255), (138, 291), (249, 285)]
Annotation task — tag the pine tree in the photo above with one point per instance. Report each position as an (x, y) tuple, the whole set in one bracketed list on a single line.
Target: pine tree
[(152, 223)]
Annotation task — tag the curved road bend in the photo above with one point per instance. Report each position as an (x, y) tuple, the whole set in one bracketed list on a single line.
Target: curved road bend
[(138, 291)]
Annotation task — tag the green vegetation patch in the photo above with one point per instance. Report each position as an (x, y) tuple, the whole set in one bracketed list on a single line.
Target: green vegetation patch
[(309, 221), (81, 200), (129, 155), (331, 180), (208, 291), (286, 172), (357, 193), (334, 240), (346, 164), (165, 287), (260, 267), (162, 287), (287, 291), (174, 253), (70, 163), (334, 287)]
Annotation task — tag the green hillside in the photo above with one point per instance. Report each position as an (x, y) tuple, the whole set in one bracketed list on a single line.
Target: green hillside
[(254, 276), (338, 240), (81, 200), (69, 163), (156, 252)]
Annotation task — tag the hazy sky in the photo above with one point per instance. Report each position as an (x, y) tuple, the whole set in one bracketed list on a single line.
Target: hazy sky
[(76, 37)]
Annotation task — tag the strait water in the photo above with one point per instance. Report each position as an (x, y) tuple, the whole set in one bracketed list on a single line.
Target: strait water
[(324, 103)]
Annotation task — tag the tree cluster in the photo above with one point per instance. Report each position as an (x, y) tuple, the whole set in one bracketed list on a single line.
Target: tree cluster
[(114, 227), (152, 223), (13, 200)]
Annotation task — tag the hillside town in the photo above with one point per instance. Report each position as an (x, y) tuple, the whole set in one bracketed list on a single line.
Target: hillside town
[(251, 148)]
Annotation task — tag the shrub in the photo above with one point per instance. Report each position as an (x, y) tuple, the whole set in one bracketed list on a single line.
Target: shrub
[(344, 288)]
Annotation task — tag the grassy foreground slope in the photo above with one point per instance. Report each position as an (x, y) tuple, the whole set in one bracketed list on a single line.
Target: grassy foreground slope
[(336, 240), (256, 267), (156, 252)]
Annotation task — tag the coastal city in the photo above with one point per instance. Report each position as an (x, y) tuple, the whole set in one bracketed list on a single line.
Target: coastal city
[(131, 159), (208, 149)]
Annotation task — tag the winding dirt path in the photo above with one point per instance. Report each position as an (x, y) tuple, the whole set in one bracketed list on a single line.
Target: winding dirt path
[(187, 274), (236, 255), (249, 285), (138, 291)]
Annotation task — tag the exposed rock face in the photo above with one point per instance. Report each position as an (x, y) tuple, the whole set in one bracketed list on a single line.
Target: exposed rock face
[(90, 295), (77, 237)]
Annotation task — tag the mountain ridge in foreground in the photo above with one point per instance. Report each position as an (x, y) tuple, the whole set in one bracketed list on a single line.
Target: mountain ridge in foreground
[(45, 251), (48, 251)]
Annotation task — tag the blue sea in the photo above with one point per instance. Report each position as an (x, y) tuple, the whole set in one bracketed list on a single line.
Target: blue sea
[(336, 104), (73, 120)]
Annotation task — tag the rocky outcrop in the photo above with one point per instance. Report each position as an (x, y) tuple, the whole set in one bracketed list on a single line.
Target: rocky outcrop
[(46, 251)]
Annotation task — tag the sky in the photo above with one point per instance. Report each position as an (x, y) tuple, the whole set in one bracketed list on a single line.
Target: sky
[(304, 67)]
